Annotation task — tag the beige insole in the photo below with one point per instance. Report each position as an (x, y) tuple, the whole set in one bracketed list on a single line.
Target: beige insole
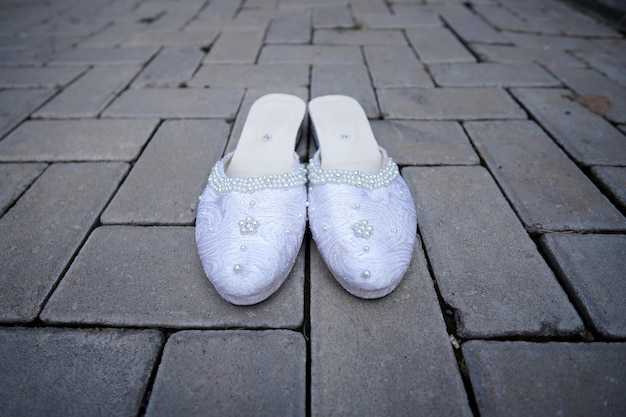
[(344, 135), (268, 139)]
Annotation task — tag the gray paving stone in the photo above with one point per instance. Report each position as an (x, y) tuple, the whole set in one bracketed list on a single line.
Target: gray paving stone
[(557, 18), (221, 8), (14, 179), (592, 268), (176, 15), (448, 103), (211, 22), (114, 35), (252, 94), (425, 143), (256, 15), (37, 77), (105, 56), (90, 94), (42, 49), (586, 81), (17, 105), (614, 179), (277, 76), (351, 80), (613, 46), (63, 25), (545, 187), (363, 363), (15, 21), (487, 268), (176, 103), (362, 8), (471, 27), (522, 54), (236, 46), (551, 43), (421, 18), (358, 37), (332, 16), (108, 284), (172, 67), (547, 379), (151, 11), (78, 372), (164, 185), (294, 28), (586, 136), (8, 43), (395, 66), (196, 375), (260, 4), (501, 17), (42, 231), (306, 4), (171, 37), (434, 6), (311, 54), (438, 45), (491, 74), (610, 65), (77, 140)]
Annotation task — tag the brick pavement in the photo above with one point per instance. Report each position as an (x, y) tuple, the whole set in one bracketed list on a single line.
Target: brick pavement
[(506, 116)]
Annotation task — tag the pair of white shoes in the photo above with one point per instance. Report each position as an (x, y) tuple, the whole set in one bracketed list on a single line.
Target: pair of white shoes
[(252, 214)]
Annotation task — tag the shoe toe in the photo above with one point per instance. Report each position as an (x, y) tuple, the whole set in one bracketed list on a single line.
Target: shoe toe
[(365, 237), (248, 243)]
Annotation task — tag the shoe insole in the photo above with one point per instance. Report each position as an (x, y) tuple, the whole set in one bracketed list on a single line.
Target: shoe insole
[(344, 135), (268, 138)]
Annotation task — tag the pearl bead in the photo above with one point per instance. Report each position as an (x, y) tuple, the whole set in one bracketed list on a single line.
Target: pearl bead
[(362, 229), (237, 268), (221, 183), (248, 226), (243, 248), (366, 248), (366, 274), (385, 176)]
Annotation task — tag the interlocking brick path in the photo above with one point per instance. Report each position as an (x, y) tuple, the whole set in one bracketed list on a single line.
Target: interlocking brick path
[(507, 118)]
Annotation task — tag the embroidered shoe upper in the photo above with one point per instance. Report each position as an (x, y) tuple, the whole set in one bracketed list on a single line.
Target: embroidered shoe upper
[(248, 234), (365, 230)]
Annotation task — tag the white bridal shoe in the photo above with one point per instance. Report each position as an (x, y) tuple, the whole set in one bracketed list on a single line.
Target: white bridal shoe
[(252, 214), (361, 213)]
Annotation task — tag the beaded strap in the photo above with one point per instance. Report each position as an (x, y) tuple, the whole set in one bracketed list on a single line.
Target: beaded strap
[(222, 184), (385, 176)]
